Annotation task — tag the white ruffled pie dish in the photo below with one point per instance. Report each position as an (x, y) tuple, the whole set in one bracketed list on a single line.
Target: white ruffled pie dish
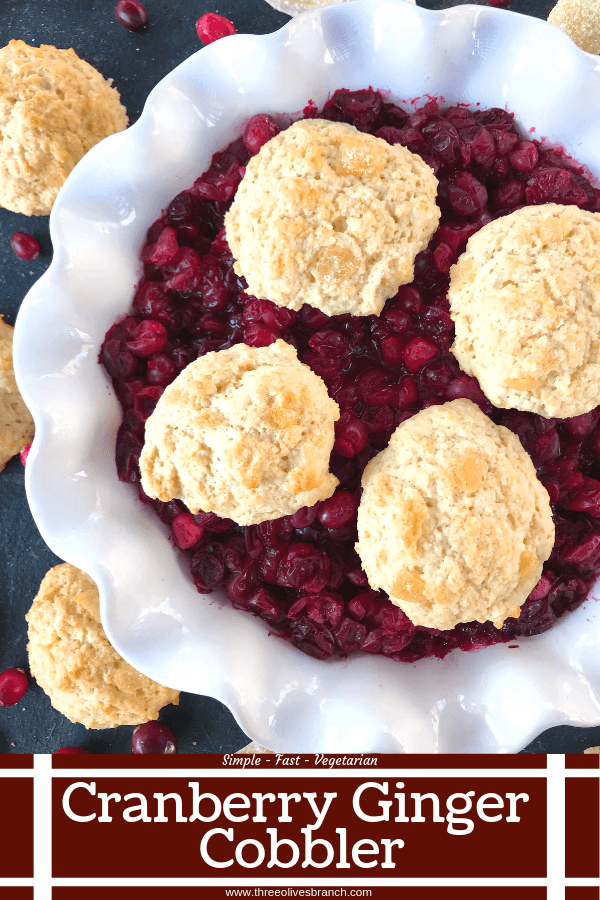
[(495, 700)]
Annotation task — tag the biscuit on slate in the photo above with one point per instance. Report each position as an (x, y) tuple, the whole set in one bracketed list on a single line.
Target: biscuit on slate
[(525, 299), (453, 523), (245, 432), (329, 216), (54, 107), (580, 19), (16, 424), (72, 660)]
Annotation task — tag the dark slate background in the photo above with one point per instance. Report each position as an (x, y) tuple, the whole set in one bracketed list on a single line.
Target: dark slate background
[(136, 62)]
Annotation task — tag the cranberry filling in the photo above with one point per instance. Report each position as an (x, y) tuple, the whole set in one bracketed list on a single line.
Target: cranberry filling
[(301, 573)]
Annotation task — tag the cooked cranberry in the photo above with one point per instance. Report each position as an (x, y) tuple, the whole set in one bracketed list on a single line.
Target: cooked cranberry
[(13, 684), (70, 750), (258, 131), (468, 387), (149, 337), (443, 258), (211, 27), (466, 195), (553, 185), (511, 193), (186, 531), (25, 453), (338, 510), (481, 144), (375, 387), (208, 567), (166, 248), (351, 435), (417, 353), (153, 737), (161, 369), (524, 157), (24, 245), (303, 567), (410, 299)]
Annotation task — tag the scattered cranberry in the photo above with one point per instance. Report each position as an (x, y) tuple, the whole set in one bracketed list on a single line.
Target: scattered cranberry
[(25, 453), (211, 27), (153, 737), (131, 15), (500, 4), (13, 684), (63, 750), (24, 245)]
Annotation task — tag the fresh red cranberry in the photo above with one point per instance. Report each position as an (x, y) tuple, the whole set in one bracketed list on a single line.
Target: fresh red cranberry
[(13, 684), (417, 353), (500, 4), (24, 245), (69, 750), (258, 131), (211, 27), (153, 737), (131, 15), (25, 453)]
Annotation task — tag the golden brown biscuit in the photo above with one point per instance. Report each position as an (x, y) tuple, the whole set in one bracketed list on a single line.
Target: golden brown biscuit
[(54, 107), (453, 523), (71, 659), (525, 298), (16, 424), (580, 19), (330, 216), (246, 433)]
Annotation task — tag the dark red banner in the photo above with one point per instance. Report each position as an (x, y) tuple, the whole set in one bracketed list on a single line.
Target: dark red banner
[(16, 803), (317, 893), (16, 761), (582, 828), (289, 761), (338, 827)]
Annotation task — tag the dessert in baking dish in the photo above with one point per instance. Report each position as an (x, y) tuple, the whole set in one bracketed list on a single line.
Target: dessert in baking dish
[(300, 572)]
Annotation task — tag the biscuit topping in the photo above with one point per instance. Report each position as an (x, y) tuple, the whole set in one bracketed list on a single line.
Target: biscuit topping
[(525, 298), (324, 206), (245, 432), (458, 541)]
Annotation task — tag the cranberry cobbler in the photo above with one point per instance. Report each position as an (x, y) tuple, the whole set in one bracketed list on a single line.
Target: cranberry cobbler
[(301, 573)]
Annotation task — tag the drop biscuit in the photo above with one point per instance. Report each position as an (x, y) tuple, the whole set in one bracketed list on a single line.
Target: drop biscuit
[(245, 432), (329, 216), (453, 523), (73, 662)]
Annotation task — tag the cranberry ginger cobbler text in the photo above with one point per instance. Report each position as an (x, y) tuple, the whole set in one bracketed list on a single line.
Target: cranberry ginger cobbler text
[(301, 572)]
